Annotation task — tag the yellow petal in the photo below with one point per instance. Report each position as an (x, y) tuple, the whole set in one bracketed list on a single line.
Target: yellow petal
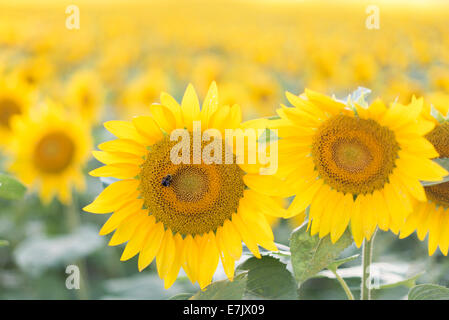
[(232, 240), (190, 107), (114, 196), (245, 235), (117, 170), (166, 254), (136, 242), (210, 104), (163, 117), (209, 261), (172, 274), (168, 101), (117, 157), (268, 185), (191, 256), (124, 130), (153, 243), (356, 222), (226, 260), (126, 229), (123, 145), (148, 128), (435, 229), (132, 207), (304, 198)]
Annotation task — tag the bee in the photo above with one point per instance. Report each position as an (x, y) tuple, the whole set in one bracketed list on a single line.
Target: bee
[(167, 180)]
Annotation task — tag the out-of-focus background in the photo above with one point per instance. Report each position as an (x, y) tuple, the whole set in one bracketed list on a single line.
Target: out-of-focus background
[(126, 52)]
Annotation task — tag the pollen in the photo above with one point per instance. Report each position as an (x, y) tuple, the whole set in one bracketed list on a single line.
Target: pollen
[(354, 155), (197, 199)]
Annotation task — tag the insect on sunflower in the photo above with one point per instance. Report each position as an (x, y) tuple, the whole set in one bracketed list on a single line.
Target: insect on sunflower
[(358, 166), (188, 215)]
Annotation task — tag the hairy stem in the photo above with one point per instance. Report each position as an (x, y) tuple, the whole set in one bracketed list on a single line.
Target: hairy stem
[(344, 285), (367, 255)]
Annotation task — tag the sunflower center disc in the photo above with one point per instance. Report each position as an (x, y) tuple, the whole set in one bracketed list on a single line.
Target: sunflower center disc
[(354, 155), (54, 152), (439, 137), (8, 108), (197, 198)]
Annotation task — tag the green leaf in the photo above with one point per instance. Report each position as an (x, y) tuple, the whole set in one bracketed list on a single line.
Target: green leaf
[(310, 254), (11, 188), (40, 252), (337, 263), (268, 278), (436, 114), (223, 290), (181, 296), (428, 292), (358, 97), (4, 243), (409, 282), (444, 162)]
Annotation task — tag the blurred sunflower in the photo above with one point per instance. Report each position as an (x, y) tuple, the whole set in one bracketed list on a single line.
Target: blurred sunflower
[(85, 94), (15, 99), (188, 215), (432, 216), (141, 92), (360, 165), (33, 72), (48, 149)]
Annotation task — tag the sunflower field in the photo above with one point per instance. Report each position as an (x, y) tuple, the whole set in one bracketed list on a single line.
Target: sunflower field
[(224, 150)]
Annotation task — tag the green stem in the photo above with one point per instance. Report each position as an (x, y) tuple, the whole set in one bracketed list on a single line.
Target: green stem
[(73, 221), (367, 256), (344, 285)]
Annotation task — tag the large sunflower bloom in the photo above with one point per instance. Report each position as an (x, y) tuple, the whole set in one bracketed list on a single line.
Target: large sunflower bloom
[(353, 165), (48, 149), (182, 215), (432, 216)]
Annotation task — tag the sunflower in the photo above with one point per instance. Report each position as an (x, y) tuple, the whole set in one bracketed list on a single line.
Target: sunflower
[(85, 94), (34, 72), (141, 92), (15, 99), (353, 165), (48, 149), (182, 215), (432, 216)]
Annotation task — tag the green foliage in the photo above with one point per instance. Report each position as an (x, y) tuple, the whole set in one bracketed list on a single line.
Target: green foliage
[(268, 278), (11, 188), (39, 253), (428, 292), (181, 296), (4, 243), (337, 263), (407, 282), (265, 278), (310, 254), (224, 289)]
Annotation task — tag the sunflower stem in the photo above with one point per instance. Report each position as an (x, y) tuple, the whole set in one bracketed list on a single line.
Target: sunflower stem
[(73, 222), (343, 284), (367, 256)]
